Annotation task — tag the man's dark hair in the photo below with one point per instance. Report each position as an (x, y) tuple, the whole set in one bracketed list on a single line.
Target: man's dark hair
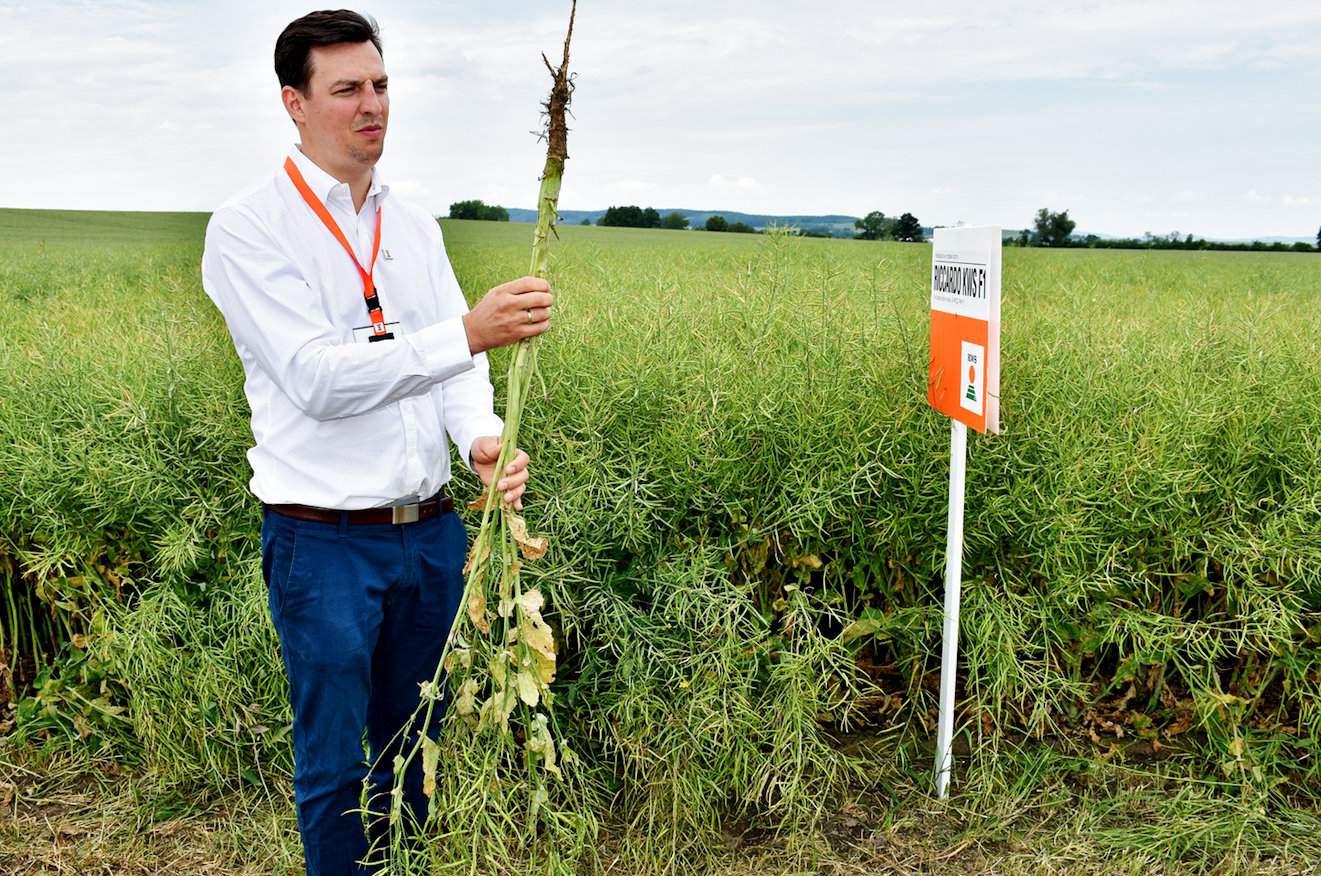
[(293, 57)]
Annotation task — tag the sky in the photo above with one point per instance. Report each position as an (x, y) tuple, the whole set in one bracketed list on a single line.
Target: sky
[(1196, 116)]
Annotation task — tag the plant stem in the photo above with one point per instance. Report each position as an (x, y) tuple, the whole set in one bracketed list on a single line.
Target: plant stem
[(522, 368)]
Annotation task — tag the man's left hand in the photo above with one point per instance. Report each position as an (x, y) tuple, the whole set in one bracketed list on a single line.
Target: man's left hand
[(485, 453)]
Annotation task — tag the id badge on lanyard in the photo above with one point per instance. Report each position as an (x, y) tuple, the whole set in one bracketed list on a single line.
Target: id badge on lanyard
[(379, 330), (363, 334)]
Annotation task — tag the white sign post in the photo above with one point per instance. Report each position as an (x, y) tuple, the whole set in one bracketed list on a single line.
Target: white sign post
[(963, 382), (949, 648)]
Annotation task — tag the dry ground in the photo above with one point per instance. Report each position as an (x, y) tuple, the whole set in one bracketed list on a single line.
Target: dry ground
[(73, 816)]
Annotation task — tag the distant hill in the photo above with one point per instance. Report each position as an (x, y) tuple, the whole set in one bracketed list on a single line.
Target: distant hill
[(1013, 233), (837, 226), (1290, 240)]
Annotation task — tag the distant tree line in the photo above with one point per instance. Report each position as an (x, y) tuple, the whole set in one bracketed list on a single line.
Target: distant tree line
[(877, 226), (720, 223), (478, 210), (633, 216), (1049, 228), (1174, 241), (1056, 229)]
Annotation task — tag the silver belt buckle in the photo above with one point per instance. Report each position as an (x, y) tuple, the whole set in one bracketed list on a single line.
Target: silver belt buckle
[(405, 513)]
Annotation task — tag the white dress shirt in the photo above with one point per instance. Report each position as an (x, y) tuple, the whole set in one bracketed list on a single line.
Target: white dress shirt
[(338, 423)]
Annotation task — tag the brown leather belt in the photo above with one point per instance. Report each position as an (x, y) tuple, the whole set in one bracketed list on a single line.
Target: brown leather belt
[(433, 507)]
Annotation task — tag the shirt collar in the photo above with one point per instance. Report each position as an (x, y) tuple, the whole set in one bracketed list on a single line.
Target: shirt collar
[(325, 186)]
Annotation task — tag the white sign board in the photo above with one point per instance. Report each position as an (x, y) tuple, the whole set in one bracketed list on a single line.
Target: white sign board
[(963, 378)]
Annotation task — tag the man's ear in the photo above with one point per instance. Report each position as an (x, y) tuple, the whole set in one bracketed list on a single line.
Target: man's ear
[(293, 103)]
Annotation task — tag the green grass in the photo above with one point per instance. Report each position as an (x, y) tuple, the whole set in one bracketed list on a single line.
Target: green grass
[(83, 228), (1034, 811), (733, 459)]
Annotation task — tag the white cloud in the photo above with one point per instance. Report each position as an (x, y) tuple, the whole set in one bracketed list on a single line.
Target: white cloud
[(634, 186), (1205, 54), (745, 183), (967, 110), (1146, 85), (405, 187)]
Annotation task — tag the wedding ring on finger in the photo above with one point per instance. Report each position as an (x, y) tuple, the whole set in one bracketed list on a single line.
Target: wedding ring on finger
[(529, 314)]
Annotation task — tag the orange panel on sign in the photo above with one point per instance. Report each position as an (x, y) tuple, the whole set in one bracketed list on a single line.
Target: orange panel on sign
[(956, 381)]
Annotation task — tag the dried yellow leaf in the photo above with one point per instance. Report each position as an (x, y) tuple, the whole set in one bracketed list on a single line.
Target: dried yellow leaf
[(507, 707), (477, 610), (533, 548), (499, 661), (497, 708), (538, 636), (477, 556), (487, 714), (430, 755), (466, 704), (539, 742), (458, 657), (535, 632), (545, 667), (531, 602), (527, 688)]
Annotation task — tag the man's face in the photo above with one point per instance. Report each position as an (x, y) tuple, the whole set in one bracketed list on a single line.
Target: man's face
[(343, 116)]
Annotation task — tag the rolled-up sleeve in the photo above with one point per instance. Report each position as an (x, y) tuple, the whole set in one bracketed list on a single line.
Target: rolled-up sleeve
[(274, 314)]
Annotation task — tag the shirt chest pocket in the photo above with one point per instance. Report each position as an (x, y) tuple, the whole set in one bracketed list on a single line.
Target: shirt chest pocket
[(400, 275), (403, 292), (346, 304)]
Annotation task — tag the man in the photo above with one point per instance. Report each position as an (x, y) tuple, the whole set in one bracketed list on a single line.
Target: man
[(360, 355)]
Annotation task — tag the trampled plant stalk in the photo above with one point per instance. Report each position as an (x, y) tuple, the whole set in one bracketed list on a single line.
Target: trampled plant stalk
[(521, 662)]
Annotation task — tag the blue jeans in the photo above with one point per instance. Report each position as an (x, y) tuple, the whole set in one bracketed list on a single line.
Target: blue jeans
[(362, 612)]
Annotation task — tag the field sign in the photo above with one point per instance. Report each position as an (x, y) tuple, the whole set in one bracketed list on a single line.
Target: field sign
[(963, 380)]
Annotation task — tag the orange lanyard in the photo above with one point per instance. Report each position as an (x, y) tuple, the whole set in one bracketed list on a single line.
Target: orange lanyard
[(368, 286)]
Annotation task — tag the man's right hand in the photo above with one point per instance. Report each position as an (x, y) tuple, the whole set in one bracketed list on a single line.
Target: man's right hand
[(508, 313)]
